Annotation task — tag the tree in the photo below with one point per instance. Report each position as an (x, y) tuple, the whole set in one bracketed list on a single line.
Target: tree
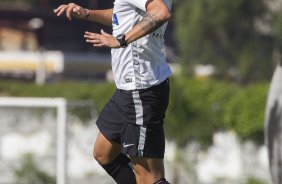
[(223, 33), (277, 33)]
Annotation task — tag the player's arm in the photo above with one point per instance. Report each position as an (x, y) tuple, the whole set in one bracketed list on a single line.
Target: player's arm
[(156, 15), (101, 16), (74, 10)]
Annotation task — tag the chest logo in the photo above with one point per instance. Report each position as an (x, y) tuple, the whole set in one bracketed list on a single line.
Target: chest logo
[(115, 20)]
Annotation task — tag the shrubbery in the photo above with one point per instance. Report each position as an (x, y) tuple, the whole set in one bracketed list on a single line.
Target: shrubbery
[(97, 92), (198, 107)]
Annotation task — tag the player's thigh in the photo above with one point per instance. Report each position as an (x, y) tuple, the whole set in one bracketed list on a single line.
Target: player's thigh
[(148, 169), (105, 150)]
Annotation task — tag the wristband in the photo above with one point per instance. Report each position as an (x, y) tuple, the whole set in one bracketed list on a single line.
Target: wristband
[(121, 39)]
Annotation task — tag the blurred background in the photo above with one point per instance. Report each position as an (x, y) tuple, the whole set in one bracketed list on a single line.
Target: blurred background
[(222, 53)]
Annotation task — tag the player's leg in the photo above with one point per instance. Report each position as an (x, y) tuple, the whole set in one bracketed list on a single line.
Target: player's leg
[(107, 148), (143, 137), (105, 151), (108, 155), (149, 170), (145, 145)]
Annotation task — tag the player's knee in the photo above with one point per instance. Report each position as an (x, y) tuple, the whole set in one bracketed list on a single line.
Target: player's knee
[(101, 157), (98, 156)]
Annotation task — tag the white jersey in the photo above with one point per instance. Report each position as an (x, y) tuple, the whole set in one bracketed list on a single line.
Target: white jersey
[(142, 63)]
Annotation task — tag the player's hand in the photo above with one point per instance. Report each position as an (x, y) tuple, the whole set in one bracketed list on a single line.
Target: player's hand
[(70, 10), (101, 40)]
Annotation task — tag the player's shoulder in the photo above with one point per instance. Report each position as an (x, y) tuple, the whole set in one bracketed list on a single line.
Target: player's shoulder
[(140, 4)]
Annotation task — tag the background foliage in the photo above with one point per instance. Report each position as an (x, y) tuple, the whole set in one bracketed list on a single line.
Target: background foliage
[(29, 172), (226, 34), (198, 107)]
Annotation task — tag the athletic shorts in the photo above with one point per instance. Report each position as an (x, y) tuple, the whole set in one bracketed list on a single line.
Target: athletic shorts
[(135, 119)]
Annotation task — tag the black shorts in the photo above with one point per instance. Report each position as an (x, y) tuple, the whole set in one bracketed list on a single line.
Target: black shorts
[(135, 120)]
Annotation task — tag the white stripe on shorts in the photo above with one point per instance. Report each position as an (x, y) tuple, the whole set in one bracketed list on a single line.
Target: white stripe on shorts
[(138, 107), (142, 139)]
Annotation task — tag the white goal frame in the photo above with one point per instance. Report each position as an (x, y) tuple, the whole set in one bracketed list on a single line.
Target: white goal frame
[(60, 105)]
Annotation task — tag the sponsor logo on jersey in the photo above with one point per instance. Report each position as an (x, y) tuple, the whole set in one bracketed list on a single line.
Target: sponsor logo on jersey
[(128, 80), (115, 19), (156, 35)]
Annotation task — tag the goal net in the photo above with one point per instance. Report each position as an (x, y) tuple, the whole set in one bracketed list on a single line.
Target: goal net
[(19, 135), (47, 140)]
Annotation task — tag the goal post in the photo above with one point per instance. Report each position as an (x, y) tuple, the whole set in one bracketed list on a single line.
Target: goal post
[(60, 105)]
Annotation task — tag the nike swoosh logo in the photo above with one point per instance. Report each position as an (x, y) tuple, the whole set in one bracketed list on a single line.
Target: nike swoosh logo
[(127, 145)]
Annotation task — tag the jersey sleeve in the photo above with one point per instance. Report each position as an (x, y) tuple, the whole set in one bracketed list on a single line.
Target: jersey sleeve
[(140, 4)]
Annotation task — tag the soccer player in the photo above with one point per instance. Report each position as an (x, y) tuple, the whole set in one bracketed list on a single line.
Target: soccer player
[(131, 142), (273, 122)]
